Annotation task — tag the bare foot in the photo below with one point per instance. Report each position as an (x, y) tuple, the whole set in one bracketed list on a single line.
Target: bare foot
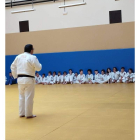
[(33, 116)]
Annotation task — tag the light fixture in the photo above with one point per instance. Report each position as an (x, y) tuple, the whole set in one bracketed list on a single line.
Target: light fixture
[(70, 5), (26, 10)]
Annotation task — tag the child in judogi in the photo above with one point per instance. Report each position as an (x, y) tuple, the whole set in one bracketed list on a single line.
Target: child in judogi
[(59, 78), (81, 77), (75, 78), (103, 78), (49, 79), (70, 77), (43, 79), (10, 80), (89, 77), (122, 75), (54, 77), (64, 78), (96, 77), (129, 76), (37, 78), (115, 75), (109, 74)]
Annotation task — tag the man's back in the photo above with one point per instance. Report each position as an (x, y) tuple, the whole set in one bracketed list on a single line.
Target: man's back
[(25, 64)]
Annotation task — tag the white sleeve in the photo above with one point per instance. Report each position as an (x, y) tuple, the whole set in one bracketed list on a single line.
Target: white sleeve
[(127, 74), (118, 72), (83, 77), (51, 78), (36, 64), (92, 77), (14, 68), (99, 76), (131, 76), (78, 78)]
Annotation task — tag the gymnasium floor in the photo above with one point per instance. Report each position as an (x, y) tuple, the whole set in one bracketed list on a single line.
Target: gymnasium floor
[(74, 112)]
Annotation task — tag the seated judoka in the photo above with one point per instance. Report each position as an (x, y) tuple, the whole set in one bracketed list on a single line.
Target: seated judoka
[(54, 77), (64, 78), (11, 80), (43, 79), (103, 78), (96, 77), (129, 77), (89, 77), (70, 77), (59, 78), (37, 78), (81, 77), (75, 78), (122, 76), (49, 79)]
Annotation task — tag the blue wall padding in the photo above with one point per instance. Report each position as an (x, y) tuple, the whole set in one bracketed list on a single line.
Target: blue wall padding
[(99, 59)]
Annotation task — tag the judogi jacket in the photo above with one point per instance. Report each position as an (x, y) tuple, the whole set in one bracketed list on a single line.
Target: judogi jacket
[(25, 64), (89, 77)]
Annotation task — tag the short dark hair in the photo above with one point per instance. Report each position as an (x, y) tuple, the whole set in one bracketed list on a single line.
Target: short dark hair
[(28, 48), (131, 70), (43, 74), (96, 70), (115, 68), (59, 72), (9, 72), (70, 69), (89, 70), (64, 72), (50, 72), (80, 70), (54, 72), (36, 73), (122, 68), (103, 70), (109, 69)]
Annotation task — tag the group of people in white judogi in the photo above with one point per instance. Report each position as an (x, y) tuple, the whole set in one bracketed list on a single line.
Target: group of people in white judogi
[(109, 76), (24, 66)]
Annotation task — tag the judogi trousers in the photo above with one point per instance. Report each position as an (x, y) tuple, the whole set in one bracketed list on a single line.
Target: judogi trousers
[(26, 95)]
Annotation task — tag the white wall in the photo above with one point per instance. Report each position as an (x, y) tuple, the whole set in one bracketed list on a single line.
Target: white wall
[(48, 16)]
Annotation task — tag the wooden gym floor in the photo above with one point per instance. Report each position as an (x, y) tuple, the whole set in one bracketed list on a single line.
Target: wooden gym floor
[(74, 112)]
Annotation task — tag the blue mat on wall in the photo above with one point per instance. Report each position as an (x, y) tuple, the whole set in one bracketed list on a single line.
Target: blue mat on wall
[(98, 59)]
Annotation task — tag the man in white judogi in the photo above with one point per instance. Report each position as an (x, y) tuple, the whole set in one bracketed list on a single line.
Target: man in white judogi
[(23, 68)]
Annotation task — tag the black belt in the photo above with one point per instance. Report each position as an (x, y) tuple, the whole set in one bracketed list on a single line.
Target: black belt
[(26, 76)]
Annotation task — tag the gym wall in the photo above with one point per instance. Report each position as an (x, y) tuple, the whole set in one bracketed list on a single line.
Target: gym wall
[(84, 38)]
